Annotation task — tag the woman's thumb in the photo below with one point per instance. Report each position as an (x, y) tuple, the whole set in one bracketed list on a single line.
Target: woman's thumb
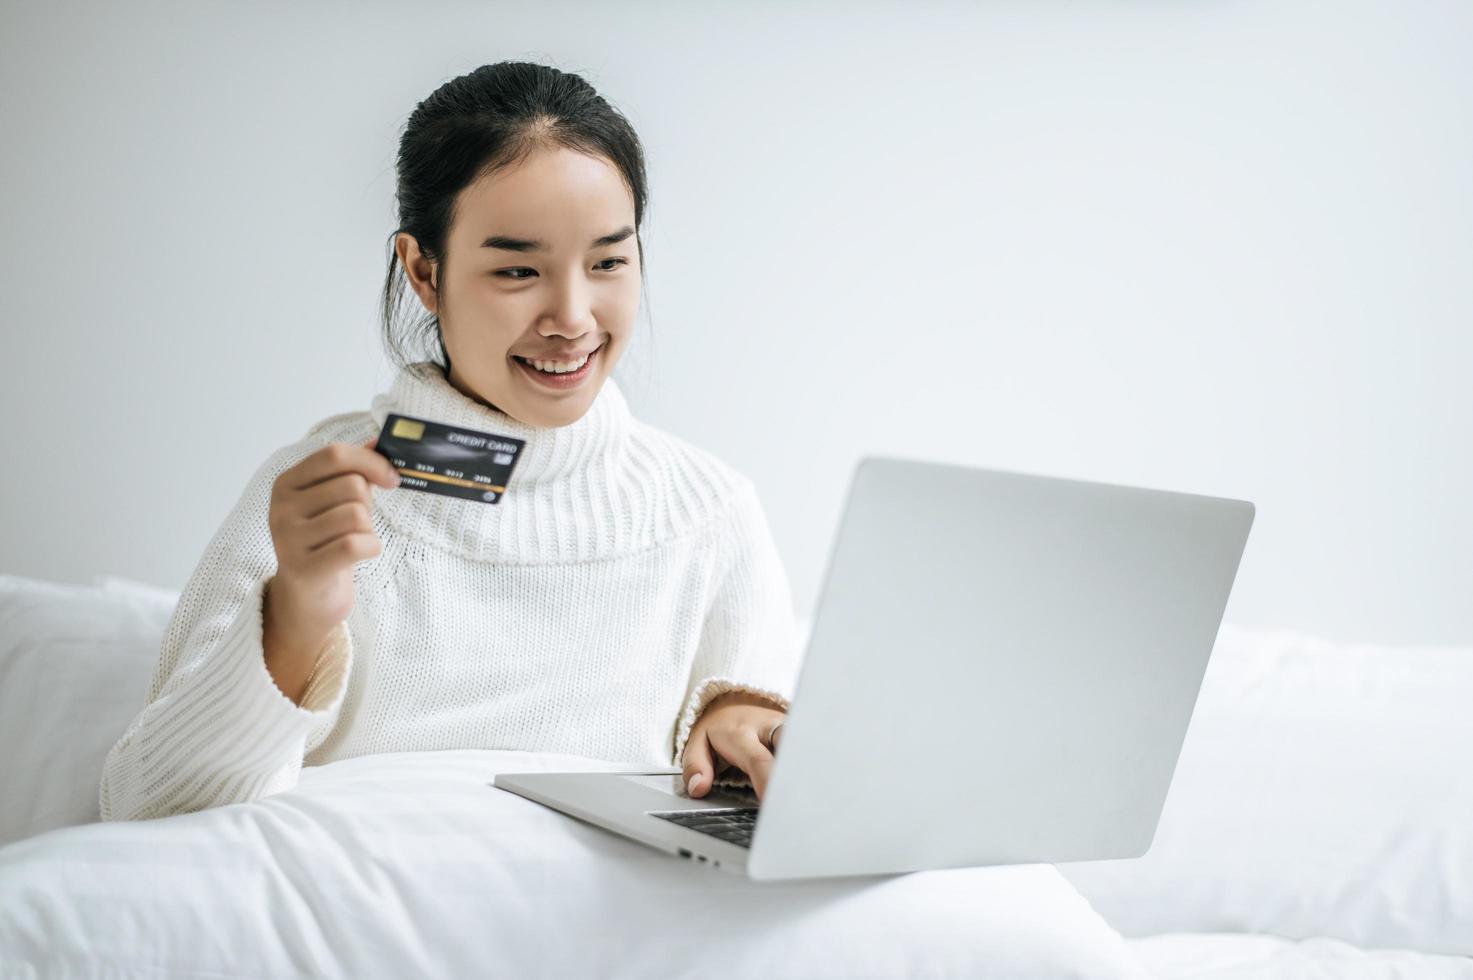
[(697, 766)]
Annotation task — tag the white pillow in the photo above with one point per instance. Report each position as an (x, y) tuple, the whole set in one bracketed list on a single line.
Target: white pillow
[(155, 594), (75, 663), (1323, 790), (409, 865)]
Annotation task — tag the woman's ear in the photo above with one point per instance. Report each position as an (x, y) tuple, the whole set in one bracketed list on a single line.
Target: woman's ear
[(423, 275)]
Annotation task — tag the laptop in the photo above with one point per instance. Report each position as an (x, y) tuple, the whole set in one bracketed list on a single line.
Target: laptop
[(1000, 670)]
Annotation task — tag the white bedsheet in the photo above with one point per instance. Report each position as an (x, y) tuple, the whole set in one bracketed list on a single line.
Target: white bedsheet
[(403, 865), (409, 865), (1229, 956)]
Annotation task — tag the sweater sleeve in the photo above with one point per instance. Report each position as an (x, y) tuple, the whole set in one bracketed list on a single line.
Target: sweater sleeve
[(749, 640), (215, 728)]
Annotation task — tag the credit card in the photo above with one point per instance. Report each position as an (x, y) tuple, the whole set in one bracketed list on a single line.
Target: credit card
[(449, 460)]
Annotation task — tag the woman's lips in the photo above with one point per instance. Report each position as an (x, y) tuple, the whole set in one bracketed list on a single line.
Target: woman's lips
[(561, 382)]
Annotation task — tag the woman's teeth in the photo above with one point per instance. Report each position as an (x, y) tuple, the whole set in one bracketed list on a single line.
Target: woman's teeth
[(554, 367)]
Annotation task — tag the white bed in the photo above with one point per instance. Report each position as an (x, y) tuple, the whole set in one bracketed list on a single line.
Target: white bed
[(1319, 825), (1239, 956)]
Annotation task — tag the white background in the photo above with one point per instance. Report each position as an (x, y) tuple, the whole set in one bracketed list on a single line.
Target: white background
[(1219, 247)]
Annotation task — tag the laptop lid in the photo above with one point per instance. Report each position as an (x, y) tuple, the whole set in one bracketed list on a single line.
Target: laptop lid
[(1001, 670)]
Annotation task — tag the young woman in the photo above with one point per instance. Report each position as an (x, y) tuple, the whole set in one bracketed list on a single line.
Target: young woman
[(624, 599)]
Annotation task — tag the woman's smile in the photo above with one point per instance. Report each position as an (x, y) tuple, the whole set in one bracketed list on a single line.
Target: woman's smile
[(561, 381)]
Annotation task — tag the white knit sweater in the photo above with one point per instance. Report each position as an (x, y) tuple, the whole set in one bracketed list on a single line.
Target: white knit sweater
[(624, 580)]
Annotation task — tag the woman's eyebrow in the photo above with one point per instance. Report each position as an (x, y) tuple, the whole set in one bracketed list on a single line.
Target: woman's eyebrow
[(537, 245)]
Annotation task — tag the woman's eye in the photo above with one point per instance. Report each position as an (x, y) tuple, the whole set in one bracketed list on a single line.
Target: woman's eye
[(510, 273)]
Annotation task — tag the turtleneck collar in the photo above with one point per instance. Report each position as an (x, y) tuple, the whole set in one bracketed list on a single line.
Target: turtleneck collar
[(571, 496)]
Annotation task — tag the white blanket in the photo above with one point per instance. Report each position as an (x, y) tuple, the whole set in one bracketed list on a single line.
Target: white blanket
[(410, 865), (1319, 797), (1231, 956)]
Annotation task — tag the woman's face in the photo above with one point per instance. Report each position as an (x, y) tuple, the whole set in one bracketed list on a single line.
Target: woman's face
[(529, 272)]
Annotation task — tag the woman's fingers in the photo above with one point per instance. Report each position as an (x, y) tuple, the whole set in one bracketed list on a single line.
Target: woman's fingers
[(743, 746)]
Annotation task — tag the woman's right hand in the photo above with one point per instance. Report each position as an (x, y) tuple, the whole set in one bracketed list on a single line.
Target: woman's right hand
[(321, 526)]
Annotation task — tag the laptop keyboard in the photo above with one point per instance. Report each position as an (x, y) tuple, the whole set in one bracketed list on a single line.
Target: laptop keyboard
[(733, 824)]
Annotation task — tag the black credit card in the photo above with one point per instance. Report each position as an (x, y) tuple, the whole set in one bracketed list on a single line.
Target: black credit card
[(449, 460)]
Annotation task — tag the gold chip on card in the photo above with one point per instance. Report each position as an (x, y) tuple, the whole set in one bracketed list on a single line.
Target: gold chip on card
[(407, 429)]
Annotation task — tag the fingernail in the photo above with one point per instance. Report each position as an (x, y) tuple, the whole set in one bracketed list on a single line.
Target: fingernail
[(695, 781)]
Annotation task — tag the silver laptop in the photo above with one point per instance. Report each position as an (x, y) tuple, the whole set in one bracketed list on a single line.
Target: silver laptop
[(1000, 670)]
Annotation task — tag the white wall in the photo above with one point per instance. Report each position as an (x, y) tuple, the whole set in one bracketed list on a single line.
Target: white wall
[(1221, 247)]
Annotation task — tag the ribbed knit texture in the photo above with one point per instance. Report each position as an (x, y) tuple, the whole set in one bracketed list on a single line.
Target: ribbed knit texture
[(624, 580)]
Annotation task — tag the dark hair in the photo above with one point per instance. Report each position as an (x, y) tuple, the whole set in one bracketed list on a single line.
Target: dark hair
[(473, 126)]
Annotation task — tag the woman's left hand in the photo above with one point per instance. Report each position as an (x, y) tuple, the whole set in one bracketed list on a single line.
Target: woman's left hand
[(729, 733)]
